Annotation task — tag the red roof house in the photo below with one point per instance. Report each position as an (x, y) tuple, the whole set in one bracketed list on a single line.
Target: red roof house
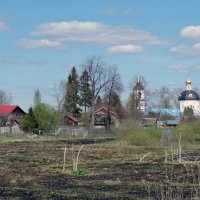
[(69, 120), (11, 114), (101, 115)]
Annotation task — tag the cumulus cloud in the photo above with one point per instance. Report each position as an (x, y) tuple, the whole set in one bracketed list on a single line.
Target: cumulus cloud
[(43, 43), (125, 49), (189, 51), (3, 27), (75, 31), (192, 32), (180, 68)]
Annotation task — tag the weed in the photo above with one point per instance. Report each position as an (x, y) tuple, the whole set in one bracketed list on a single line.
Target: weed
[(81, 171)]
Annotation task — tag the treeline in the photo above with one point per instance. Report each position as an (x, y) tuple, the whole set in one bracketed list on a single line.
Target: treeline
[(97, 84)]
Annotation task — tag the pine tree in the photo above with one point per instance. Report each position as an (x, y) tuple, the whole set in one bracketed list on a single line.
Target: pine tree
[(85, 91), (30, 122), (72, 98)]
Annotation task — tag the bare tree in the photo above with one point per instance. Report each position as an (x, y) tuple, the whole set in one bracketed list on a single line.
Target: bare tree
[(98, 77), (161, 99), (114, 86), (5, 99), (174, 97), (59, 94)]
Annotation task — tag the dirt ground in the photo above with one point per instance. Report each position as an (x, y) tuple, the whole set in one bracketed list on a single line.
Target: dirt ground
[(33, 169)]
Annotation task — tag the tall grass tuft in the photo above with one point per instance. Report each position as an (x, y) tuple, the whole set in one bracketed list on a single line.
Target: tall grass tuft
[(190, 132)]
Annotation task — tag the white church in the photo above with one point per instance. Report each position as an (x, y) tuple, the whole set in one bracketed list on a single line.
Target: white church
[(189, 99), (139, 93)]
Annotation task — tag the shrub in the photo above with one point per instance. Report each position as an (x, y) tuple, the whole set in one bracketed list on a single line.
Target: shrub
[(132, 131), (190, 132)]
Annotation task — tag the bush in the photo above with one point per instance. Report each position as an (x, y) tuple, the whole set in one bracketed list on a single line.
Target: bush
[(132, 131), (190, 132)]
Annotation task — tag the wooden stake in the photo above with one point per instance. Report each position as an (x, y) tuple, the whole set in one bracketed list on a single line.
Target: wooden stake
[(144, 156), (179, 150), (64, 158), (77, 157)]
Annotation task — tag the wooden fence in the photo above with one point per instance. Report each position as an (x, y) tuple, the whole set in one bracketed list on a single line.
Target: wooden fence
[(10, 130)]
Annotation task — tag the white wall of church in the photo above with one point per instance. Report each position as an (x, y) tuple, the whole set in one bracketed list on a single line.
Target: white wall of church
[(194, 104)]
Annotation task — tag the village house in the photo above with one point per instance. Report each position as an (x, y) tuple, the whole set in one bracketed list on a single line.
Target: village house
[(11, 118), (103, 116)]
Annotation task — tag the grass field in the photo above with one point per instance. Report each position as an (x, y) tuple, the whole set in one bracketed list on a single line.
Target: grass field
[(32, 168)]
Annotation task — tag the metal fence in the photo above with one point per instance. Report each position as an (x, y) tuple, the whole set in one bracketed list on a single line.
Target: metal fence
[(72, 131)]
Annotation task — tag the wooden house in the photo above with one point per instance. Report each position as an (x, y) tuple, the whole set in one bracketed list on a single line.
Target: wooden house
[(69, 120), (103, 116), (11, 115)]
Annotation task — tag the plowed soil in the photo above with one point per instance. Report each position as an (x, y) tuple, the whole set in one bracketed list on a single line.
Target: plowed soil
[(34, 170)]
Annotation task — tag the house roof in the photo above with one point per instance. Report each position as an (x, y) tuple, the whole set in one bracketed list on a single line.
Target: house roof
[(148, 121), (6, 110), (104, 111), (165, 111), (174, 122), (74, 119)]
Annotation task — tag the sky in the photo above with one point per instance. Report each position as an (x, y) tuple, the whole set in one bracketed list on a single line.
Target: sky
[(41, 40)]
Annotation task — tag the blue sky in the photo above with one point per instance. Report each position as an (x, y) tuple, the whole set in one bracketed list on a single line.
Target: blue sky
[(41, 40)]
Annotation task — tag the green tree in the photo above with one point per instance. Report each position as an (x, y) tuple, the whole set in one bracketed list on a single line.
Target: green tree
[(29, 122), (188, 114), (37, 97), (85, 91), (47, 117), (72, 98)]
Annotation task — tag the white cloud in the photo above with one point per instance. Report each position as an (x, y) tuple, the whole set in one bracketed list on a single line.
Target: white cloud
[(125, 49), (3, 27), (192, 32), (17, 61), (180, 68), (189, 51), (94, 32), (43, 43)]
